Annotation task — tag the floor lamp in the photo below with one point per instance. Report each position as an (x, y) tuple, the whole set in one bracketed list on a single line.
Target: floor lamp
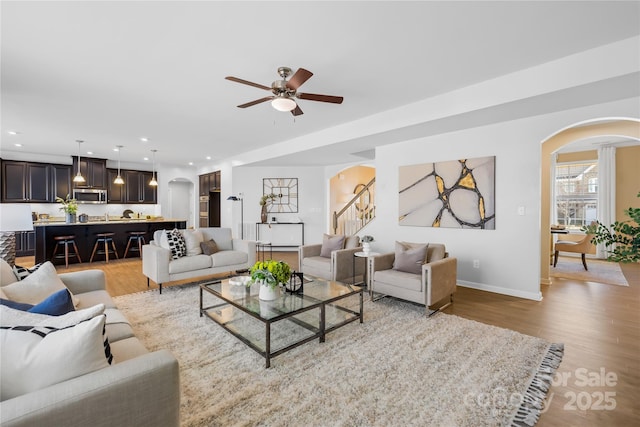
[(236, 199), (13, 217)]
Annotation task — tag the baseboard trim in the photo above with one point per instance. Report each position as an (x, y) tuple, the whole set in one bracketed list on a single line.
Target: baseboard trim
[(536, 296)]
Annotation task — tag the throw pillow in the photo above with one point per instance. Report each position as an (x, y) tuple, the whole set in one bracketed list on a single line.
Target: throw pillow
[(37, 357), (12, 317), (22, 272), (410, 257), (209, 247), (192, 239), (15, 305), (352, 242), (36, 287), (177, 245), (6, 273), (56, 304), (330, 244)]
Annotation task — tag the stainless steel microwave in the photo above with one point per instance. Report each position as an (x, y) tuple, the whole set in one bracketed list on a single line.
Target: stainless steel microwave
[(90, 195)]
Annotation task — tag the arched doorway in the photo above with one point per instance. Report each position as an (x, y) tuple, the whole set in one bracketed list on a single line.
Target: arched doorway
[(604, 127), (181, 200)]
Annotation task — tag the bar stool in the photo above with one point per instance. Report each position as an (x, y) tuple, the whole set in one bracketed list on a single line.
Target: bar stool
[(137, 238), (66, 241), (105, 239)]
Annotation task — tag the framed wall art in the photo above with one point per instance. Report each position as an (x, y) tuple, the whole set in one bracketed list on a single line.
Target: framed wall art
[(453, 194), (285, 191)]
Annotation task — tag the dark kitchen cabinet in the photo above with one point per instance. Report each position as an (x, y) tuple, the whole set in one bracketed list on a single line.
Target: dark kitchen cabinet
[(115, 192), (60, 181), (93, 170), (138, 189), (25, 182), (209, 182), (25, 243), (204, 185), (214, 181)]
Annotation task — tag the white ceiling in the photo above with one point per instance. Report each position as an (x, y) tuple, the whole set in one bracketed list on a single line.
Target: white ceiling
[(110, 73)]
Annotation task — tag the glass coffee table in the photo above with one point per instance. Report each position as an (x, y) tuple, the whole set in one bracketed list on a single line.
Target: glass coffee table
[(274, 327)]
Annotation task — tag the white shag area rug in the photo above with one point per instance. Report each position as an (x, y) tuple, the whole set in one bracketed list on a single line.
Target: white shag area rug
[(600, 271), (397, 368)]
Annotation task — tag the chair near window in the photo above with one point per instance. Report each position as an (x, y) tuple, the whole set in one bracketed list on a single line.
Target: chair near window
[(580, 247)]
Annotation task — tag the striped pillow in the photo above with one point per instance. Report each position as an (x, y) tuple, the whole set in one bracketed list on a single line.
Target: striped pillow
[(34, 357), (22, 272)]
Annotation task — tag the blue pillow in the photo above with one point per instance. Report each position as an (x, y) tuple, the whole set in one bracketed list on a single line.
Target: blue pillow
[(15, 305), (56, 304)]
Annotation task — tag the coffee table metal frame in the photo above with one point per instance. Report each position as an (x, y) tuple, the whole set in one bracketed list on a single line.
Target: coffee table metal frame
[(309, 303)]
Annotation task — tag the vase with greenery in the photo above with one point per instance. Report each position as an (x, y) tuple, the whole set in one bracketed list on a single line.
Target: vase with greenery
[(621, 239), (264, 200), (69, 207), (269, 274), (366, 243)]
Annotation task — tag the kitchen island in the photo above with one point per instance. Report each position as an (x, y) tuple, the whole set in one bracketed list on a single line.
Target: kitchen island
[(85, 235)]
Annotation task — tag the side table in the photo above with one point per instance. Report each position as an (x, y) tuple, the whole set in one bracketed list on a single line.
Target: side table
[(366, 256), (261, 246)]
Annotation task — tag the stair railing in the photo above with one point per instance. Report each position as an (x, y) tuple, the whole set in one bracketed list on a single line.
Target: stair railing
[(357, 213)]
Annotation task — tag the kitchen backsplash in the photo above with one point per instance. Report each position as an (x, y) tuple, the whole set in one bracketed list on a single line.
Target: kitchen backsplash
[(113, 210)]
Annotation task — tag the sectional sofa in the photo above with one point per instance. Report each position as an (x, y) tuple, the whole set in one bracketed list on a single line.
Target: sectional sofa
[(139, 388)]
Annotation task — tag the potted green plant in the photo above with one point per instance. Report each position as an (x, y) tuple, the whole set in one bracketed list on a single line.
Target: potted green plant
[(623, 236), (269, 274), (266, 198), (70, 208)]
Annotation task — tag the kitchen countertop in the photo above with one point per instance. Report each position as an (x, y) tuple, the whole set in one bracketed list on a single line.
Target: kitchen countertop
[(103, 222)]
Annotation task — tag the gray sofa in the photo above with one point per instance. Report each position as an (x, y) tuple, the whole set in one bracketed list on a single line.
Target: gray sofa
[(139, 388), (233, 254)]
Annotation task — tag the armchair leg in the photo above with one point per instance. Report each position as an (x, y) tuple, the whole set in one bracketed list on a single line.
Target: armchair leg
[(432, 312), (555, 258), (584, 262)]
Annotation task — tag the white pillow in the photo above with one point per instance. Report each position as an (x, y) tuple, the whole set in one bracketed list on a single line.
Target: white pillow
[(36, 287), (192, 239), (12, 317), (39, 357), (6, 273)]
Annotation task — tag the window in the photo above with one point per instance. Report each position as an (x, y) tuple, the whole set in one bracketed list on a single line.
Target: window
[(576, 193)]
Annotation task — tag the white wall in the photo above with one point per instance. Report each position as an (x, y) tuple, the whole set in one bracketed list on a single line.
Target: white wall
[(311, 199), (509, 255)]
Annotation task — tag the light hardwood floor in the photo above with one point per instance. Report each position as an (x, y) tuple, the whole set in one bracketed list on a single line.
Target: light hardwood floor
[(599, 325)]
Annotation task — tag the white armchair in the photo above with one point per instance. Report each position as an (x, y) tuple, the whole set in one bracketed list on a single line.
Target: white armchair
[(333, 264), (434, 282)]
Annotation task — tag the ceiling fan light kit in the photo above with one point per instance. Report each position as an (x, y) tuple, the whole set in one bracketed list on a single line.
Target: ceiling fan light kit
[(284, 91), (281, 103)]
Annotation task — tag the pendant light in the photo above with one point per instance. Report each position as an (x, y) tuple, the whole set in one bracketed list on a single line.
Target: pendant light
[(119, 179), (154, 181), (79, 178)]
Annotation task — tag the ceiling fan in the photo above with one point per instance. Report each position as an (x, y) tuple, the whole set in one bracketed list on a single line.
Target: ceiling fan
[(284, 91)]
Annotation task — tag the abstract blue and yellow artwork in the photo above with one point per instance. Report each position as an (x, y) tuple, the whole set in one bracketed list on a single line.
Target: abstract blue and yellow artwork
[(452, 194)]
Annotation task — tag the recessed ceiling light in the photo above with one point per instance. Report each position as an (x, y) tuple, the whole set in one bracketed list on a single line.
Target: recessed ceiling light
[(12, 132), (143, 139), (190, 163), (145, 158), (116, 149), (18, 145), (208, 157), (89, 152)]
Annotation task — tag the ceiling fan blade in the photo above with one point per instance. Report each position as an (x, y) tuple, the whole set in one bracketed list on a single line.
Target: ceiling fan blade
[(321, 98), (246, 82), (299, 78), (257, 101), (297, 111)]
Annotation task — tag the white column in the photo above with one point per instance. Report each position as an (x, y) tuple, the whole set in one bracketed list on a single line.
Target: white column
[(606, 190)]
